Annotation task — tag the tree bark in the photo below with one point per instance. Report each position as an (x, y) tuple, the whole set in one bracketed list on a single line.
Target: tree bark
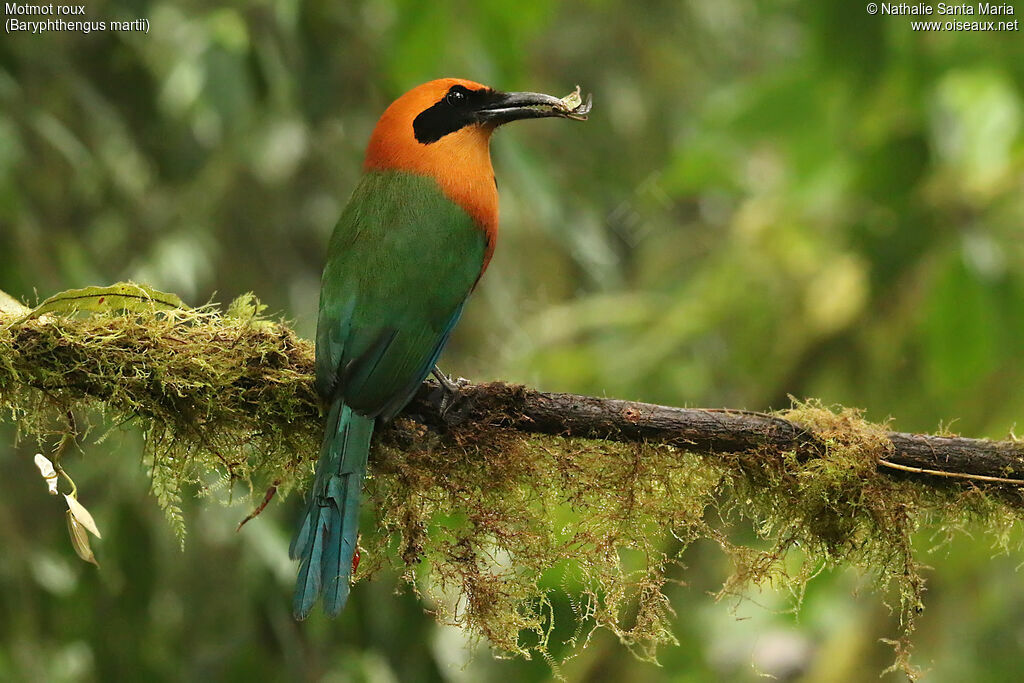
[(924, 456)]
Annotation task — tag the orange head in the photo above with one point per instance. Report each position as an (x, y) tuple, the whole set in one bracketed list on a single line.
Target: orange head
[(442, 130)]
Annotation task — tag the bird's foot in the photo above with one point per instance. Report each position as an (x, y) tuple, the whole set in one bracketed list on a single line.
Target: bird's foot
[(451, 390)]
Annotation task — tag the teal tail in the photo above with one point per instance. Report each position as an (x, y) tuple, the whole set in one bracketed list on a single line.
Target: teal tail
[(326, 541)]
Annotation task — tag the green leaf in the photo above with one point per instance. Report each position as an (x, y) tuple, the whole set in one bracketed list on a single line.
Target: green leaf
[(246, 307), (123, 296)]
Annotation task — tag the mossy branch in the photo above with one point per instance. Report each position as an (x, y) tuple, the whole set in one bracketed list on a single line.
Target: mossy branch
[(710, 431), (511, 494), (270, 362)]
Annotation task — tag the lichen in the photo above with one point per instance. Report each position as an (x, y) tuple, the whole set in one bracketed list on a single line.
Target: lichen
[(489, 524)]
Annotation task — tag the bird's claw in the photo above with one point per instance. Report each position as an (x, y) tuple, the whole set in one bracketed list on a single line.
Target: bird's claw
[(451, 390)]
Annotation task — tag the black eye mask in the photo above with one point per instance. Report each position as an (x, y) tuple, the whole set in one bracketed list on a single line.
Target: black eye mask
[(456, 110)]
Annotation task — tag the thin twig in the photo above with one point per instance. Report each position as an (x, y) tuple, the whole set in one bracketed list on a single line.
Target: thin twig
[(955, 475)]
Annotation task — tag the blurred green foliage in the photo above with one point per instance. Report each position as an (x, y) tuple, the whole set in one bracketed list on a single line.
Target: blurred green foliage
[(770, 198)]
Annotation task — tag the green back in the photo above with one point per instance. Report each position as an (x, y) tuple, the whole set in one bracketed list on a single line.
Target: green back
[(401, 262)]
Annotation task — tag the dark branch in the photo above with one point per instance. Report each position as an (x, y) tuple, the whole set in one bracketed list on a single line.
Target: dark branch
[(707, 431)]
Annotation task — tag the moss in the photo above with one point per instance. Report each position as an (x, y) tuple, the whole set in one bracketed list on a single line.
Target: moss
[(489, 524), (481, 516), (211, 393)]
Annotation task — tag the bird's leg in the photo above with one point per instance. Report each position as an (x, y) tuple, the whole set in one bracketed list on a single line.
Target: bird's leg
[(445, 381), (450, 389)]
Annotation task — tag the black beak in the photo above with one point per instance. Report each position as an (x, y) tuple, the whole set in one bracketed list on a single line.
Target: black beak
[(504, 107)]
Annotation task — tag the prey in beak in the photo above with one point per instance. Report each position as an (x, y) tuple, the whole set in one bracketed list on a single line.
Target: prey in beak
[(513, 106), (461, 106)]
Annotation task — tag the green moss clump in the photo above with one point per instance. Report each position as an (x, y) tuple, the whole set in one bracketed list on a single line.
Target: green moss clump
[(212, 393)]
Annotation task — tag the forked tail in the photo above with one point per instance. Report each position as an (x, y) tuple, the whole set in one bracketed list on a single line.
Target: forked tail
[(326, 541)]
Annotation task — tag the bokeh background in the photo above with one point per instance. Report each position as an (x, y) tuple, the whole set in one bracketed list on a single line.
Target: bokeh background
[(770, 199)]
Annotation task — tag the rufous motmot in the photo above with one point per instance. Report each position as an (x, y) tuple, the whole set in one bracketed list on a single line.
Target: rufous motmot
[(409, 248)]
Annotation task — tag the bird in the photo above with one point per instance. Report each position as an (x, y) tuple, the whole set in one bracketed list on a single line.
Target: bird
[(408, 250)]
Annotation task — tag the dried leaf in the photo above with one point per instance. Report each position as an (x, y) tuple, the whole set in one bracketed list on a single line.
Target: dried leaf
[(82, 515), (80, 539)]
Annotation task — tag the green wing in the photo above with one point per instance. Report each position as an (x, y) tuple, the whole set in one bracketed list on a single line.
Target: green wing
[(401, 262)]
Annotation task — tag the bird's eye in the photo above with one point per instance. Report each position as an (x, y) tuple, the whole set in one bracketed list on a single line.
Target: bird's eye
[(457, 96)]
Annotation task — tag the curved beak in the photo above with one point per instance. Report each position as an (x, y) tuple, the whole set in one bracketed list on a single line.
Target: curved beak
[(512, 106)]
